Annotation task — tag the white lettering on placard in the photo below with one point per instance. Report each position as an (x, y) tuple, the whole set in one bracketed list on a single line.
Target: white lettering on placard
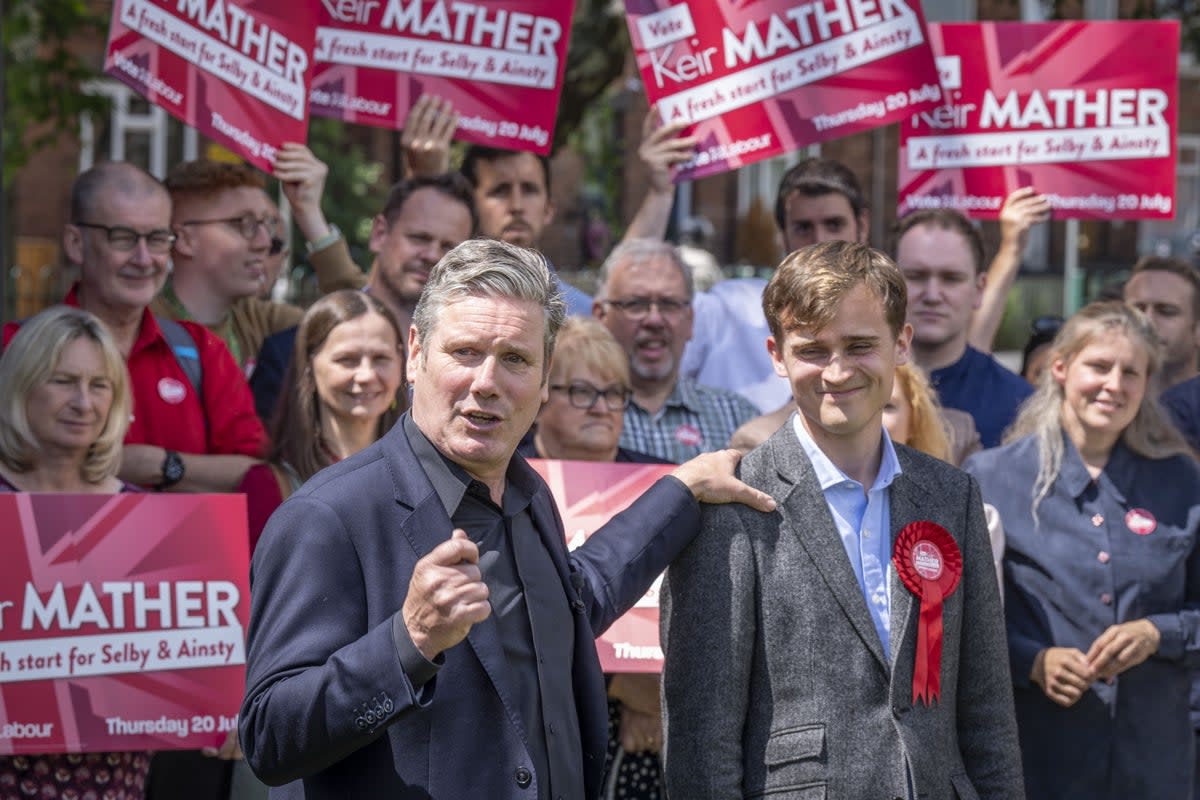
[(1075, 108), (467, 23), (780, 75), (121, 653), (1037, 147), (425, 57)]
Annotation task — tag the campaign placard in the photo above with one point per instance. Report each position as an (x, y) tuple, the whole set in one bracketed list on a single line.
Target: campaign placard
[(238, 72), (1084, 112), (588, 494), (766, 77), (122, 621), (499, 62)]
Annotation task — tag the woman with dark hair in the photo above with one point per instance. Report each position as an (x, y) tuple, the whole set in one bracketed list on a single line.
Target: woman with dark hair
[(1100, 502), (64, 410), (343, 390)]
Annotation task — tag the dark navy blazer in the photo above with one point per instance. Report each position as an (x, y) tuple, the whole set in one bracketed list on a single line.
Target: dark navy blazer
[(330, 711), (1113, 550), (266, 382)]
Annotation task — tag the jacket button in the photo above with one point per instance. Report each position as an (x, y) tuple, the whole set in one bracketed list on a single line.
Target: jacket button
[(524, 777)]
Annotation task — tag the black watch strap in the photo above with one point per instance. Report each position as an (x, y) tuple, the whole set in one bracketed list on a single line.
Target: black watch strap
[(172, 470)]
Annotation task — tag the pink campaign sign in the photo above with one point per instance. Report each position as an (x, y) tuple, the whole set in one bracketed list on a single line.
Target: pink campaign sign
[(122, 621), (499, 62), (763, 77), (1084, 112), (588, 494), (237, 72)]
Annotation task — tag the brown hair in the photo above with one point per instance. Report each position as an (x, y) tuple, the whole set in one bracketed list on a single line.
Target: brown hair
[(814, 177), (946, 219), (807, 287), (1175, 266), (296, 432), (203, 179)]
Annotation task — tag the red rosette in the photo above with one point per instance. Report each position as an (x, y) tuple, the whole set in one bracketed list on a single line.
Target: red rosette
[(929, 562)]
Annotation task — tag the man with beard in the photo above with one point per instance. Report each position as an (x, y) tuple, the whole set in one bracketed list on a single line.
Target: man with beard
[(645, 300)]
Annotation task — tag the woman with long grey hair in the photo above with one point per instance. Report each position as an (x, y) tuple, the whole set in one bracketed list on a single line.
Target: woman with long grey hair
[(1100, 500)]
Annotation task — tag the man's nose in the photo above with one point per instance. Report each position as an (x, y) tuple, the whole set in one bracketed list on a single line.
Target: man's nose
[(483, 381), (837, 370)]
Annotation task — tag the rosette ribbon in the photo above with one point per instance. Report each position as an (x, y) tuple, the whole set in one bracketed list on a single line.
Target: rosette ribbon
[(929, 562)]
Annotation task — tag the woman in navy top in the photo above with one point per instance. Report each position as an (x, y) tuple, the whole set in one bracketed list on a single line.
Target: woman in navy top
[(1100, 501)]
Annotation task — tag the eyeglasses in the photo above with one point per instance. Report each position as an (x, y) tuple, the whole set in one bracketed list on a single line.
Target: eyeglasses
[(639, 307), (584, 395), (247, 224), (126, 239)]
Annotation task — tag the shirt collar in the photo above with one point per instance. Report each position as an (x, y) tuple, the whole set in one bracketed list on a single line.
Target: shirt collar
[(830, 475), (149, 331), (450, 481), (1075, 478)]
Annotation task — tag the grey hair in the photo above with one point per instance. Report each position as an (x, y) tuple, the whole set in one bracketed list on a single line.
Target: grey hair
[(491, 268), (637, 251)]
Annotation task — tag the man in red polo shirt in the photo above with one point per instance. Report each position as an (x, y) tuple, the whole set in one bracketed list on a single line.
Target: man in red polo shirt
[(189, 433)]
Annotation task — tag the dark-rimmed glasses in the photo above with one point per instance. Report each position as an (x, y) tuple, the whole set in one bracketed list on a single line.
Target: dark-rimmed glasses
[(584, 396), (639, 307), (126, 239), (247, 224)]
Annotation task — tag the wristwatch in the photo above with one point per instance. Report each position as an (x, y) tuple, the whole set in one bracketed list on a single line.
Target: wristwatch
[(326, 240), (172, 471)]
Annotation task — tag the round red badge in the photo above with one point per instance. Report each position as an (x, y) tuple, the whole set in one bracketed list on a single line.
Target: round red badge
[(929, 563), (1141, 521), (171, 391), (688, 435), (927, 560)]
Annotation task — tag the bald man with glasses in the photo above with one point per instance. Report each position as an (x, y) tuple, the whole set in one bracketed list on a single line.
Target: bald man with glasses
[(195, 429), (645, 301)]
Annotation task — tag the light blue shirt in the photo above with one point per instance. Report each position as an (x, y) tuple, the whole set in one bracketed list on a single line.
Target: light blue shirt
[(863, 521)]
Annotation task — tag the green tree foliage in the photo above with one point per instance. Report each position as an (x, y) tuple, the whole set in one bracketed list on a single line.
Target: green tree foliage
[(49, 51), (595, 58)]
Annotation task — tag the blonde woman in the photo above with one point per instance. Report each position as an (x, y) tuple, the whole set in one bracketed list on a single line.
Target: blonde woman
[(1100, 502), (64, 409)]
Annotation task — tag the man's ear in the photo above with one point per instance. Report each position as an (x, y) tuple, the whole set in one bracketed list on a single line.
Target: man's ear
[(184, 243), (379, 232), (864, 226), (414, 355), (548, 217), (776, 352), (904, 345), (72, 239)]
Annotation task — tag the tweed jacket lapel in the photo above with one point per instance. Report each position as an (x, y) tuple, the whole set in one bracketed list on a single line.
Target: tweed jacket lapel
[(807, 516), (906, 499)]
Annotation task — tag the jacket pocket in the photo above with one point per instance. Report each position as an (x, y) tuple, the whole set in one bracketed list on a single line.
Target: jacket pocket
[(795, 744), (963, 787)]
